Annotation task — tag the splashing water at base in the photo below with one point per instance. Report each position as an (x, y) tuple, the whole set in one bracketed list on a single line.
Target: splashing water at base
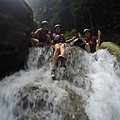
[(93, 79), (103, 103)]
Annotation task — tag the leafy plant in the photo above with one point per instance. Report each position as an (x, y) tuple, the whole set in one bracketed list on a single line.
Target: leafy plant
[(68, 34)]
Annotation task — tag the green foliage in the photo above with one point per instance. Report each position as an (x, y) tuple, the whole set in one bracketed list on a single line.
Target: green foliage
[(73, 32), (80, 14), (68, 34), (36, 22), (46, 10), (59, 0)]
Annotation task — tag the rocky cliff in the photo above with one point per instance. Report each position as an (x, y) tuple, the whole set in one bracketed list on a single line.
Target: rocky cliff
[(16, 19)]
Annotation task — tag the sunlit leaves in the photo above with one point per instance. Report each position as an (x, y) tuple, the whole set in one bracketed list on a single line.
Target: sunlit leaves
[(59, 0)]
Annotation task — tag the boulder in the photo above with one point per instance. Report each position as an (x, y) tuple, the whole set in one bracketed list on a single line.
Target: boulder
[(43, 103), (16, 21), (113, 48)]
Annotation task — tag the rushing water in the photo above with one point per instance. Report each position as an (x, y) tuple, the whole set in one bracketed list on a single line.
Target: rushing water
[(95, 77)]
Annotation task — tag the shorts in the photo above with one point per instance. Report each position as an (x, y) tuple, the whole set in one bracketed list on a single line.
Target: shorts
[(92, 48)]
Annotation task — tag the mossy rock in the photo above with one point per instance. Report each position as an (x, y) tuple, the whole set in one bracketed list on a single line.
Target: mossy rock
[(39, 102), (113, 48), (77, 104)]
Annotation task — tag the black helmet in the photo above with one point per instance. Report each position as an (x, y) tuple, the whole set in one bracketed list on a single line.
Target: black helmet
[(44, 23), (85, 30), (58, 25)]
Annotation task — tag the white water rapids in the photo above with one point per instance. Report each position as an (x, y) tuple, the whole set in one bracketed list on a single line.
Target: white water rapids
[(95, 77)]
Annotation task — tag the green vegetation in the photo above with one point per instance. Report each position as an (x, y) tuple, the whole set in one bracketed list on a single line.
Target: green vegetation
[(80, 14), (68, 34), (36, 22)]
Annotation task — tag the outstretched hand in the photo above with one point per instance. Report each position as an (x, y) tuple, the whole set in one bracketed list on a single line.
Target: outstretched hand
[(74, 37), (99, 33)]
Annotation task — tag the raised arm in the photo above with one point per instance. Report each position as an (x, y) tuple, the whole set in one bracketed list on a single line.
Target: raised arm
[(81, 38), (99, 34)]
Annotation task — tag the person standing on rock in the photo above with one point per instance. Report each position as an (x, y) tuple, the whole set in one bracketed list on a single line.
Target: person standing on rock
[(91, 42), (43, 34)]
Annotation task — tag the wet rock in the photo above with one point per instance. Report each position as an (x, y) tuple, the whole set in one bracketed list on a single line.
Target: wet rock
[(43, 103), (113, 48), (77, 106), (16, 20)]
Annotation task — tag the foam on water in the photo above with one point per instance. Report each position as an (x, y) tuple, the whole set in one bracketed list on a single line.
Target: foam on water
[(95, 77), (103, 103)]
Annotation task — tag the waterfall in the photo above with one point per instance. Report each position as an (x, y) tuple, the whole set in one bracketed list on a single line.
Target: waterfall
[(88, 90)]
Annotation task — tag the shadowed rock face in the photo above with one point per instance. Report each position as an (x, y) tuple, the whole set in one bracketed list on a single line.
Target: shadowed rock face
[(16, 20)]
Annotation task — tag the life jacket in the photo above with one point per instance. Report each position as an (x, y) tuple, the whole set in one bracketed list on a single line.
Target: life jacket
[(42, 36), (91, 40), (58, 38)]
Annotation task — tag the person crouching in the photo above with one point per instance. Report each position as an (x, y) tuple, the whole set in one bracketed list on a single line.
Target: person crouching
[(91, 42), (43, 35)]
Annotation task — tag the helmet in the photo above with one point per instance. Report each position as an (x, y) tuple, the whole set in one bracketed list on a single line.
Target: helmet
[(85, 30), (44, 23), (58, 25)]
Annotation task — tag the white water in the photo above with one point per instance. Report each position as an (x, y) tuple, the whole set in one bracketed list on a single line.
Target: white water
[(95, 77)]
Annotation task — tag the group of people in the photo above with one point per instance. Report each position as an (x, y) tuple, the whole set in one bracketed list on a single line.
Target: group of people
[(58, 41)]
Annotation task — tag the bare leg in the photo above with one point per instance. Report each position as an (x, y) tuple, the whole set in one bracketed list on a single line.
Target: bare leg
[(87, 47), (33, 41), (62, 50), (55, 56), (97, 45)]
